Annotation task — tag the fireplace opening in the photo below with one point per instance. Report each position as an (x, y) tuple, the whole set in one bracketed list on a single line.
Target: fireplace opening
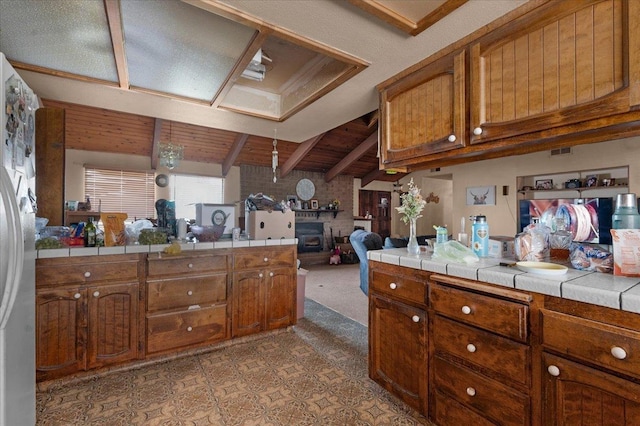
[(310, 236)]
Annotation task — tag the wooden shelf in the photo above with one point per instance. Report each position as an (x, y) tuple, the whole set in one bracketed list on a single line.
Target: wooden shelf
[(580, 189), (79, 216), (318, 211)]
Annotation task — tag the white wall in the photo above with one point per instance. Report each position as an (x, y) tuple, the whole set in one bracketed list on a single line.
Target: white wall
[(502, 217)]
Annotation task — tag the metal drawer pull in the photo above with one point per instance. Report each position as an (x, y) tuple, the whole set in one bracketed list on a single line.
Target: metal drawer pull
[(471, 347), (415, 318), (618, 352), (190, 293), (77, 296), (466, 310), (471, 391), (452, 138), (96, 293), (477, 131), (87, 274), (189, 328), (190, 265), (393, 286), (553, 370)]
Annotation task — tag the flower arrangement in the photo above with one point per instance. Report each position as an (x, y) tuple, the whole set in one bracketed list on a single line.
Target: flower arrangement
[(412, 203)]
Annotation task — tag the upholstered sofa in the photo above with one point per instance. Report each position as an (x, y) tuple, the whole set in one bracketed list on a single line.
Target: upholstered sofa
[(363, 241)]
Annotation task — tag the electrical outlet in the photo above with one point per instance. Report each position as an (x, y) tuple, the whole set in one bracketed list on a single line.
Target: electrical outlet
[(505, 189)]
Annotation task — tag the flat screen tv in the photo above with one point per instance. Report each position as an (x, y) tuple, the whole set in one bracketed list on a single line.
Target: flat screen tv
[(588, 219)]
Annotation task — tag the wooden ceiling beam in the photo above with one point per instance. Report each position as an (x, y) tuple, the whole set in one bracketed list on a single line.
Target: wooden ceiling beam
[(112, 8), (371, 176), (301, 152), (352, 157), (231, 157), (372, 118), (157, 131)]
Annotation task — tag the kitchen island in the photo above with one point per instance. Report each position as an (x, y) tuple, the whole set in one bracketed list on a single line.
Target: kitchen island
[(114, 307), (491, 344)]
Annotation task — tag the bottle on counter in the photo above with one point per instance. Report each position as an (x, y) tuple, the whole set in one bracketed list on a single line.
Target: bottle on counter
[(560, 241), (90, 233), (626, 216), (480, 236)]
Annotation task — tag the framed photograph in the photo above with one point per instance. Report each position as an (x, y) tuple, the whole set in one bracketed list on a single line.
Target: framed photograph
[(481, 196), (544, 184), (592, 180), (292, 200), (314, 204)]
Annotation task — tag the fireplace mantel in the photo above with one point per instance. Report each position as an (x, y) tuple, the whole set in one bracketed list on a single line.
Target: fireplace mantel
[(318, 211)]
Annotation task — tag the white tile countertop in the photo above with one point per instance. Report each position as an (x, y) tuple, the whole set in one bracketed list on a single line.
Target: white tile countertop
[(583, 286), (153, 248)]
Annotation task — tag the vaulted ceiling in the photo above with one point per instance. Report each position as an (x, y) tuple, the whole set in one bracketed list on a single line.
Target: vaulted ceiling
[(184, 63)]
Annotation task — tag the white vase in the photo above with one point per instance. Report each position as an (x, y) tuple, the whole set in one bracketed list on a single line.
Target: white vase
[(413, 247)]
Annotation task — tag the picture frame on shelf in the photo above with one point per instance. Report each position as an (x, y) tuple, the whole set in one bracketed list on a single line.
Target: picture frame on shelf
[(292, 200), (590, 181), (544, 184), (313, 204)]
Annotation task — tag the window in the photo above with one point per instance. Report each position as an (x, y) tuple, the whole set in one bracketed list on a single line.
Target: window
[(130, 192), (189, 190)]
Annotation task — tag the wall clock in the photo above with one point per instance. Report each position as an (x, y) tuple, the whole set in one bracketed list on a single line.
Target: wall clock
[(305, 189), (162, 180)]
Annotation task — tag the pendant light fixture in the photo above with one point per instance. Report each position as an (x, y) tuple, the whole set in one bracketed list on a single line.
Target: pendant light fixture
[(274, 154), (170, 154)]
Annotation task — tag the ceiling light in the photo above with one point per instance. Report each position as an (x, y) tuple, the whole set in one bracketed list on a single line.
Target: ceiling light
[(255, 70), (170, 154)]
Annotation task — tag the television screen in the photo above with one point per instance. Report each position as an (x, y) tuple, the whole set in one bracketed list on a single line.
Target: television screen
[(588, 219)]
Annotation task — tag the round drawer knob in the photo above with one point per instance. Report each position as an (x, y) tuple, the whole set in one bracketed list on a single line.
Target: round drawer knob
[(189, 293), (471, 347), (415, 318), (553, 370), (471, 391), (189, 328), (266, 259), (96, 293), (466, 310), (393, 286), (618, 352), (452, 138), (477, 131), (77, 296), (87, 274), (190, 265), (260, 275)]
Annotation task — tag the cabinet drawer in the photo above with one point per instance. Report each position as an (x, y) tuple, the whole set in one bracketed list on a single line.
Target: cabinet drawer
[(86, 270), (603, 344), (169, 331), (448, 412), (502, 317), (259, 258), (399, 287), (502, 356), (498, 402), (184, 292), (163, 265)]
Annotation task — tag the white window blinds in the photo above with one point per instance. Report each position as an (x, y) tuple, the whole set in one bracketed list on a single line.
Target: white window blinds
[(189, 190), (130, 192)]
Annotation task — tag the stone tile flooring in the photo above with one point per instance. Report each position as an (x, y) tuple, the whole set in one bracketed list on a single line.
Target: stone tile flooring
[(314, 374)]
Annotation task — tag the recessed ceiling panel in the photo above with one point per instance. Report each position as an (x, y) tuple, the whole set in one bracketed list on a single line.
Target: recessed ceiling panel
[(180, 49), (65, 35)]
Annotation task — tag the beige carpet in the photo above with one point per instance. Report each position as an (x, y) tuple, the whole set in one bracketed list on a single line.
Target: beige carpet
[(338, 288)]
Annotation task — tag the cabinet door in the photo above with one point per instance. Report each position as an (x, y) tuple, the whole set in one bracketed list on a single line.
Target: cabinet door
[(398, 350), (424, 113), (557, 68), (574, 394), (248, 302), (281, 286), (113, 324), (60, 334)]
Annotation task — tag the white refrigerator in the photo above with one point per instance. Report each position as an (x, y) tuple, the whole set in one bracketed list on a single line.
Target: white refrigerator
[(18, 105)]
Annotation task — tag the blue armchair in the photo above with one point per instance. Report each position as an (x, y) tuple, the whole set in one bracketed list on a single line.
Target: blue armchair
[(363, 241)]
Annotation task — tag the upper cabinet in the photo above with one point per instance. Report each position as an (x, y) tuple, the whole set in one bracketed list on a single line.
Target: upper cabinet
[(562, 66), (424, 113)]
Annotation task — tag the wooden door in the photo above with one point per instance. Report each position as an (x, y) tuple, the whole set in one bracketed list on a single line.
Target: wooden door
[(372, 202), (60, 333), (280, 305), (398, 350), (574, 394), (248, 302), (113, 324)]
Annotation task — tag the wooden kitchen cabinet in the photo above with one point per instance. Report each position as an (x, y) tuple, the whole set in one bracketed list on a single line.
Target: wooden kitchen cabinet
[(86, 318), (264, 290), (425, 112), (555, 68), (480, 353), (187, 300), (398, 326)]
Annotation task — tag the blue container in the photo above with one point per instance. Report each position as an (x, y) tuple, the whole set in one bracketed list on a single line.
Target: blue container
[(480, 236), (626, 214)]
